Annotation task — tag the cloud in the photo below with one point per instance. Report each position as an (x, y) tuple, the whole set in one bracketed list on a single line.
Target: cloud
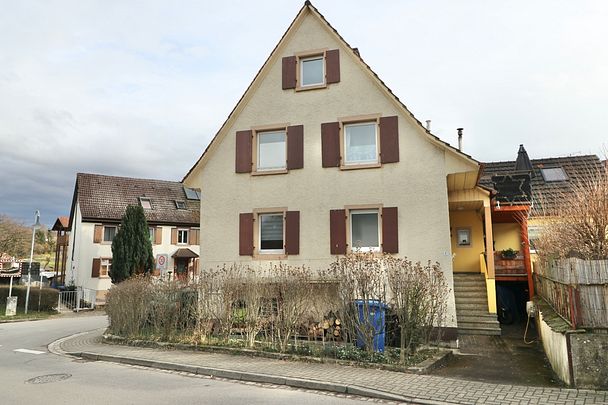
[(139, 88)]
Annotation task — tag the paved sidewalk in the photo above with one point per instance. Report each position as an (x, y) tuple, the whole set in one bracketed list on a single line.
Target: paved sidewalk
[(377, 383)]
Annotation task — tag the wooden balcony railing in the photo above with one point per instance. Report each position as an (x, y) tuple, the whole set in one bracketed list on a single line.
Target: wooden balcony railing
[(509, 267)]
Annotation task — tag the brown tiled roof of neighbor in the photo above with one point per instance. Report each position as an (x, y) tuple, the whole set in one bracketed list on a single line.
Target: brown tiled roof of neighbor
[(61, 223), (107, 197), (546, 195)]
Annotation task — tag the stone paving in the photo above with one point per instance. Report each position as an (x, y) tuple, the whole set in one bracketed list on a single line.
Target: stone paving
[(423, 387)]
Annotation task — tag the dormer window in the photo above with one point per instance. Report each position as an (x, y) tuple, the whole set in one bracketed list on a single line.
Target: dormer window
[(554, 174), (145, 203), (181, 205)]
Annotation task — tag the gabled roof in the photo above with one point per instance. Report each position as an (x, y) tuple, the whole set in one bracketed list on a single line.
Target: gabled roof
[(355, 53), (547, 194), (105, 198), (61, 223)]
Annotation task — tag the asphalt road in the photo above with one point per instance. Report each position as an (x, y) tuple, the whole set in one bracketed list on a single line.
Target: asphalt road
[(29, 374)]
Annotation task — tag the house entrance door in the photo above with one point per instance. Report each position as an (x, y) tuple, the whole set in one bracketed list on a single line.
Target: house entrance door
[(181, 270)]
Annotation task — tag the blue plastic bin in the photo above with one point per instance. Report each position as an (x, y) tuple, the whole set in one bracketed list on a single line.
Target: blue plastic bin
[(376, 318)]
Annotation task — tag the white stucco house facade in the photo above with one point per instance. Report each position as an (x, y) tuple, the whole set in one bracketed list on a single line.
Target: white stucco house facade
[(319, 157)]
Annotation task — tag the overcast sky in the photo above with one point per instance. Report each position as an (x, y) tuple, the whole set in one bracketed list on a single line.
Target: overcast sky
[(139, 88)]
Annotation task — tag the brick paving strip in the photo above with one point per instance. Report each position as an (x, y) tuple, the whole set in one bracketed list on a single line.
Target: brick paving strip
[(390, 385)]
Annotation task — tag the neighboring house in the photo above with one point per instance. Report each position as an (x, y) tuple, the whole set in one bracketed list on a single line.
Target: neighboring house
[(526, 195), (319, 158), (62, 230), (551, 180), (99, 202)]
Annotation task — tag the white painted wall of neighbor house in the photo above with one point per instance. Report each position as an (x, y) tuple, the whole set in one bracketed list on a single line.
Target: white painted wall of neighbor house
[(556, 349), (416, 185), (85, 251)]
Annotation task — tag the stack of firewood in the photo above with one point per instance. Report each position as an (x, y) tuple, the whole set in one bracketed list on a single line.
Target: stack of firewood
[(329, 329)]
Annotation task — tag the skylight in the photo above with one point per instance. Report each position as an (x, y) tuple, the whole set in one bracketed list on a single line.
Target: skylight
[(554, 174), (145, 203), (192, 194), (181, 205)]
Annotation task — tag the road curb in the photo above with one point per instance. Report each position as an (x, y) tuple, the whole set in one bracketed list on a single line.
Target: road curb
[(251, 377)]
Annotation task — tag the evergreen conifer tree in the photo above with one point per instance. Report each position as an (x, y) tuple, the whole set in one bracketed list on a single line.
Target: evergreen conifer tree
[(131, 246)]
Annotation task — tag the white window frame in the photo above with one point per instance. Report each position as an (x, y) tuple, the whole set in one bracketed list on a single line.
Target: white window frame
[(152, 232), (301, 61), (355, 211), (353, 163), (259, 233), (258, 134), (107, 265), (103, 236), (183, 231), (469, 235)]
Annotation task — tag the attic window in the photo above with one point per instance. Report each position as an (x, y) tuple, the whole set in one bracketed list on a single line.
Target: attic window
[(181, 205), (192, 194), (145, 203), (554, 174)]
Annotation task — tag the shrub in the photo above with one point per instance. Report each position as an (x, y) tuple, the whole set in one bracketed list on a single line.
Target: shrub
[(48, 297), (128, 306)]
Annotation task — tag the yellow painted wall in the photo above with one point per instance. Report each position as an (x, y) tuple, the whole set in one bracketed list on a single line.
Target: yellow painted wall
[(507, 236), (466, 259)]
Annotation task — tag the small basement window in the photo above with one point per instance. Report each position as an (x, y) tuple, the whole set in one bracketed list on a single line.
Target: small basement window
[(554, 174), (145, 203), (181, 205), (312, 71)]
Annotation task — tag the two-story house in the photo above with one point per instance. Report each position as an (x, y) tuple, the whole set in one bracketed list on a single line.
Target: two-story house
[(98, 204), (319, 157)]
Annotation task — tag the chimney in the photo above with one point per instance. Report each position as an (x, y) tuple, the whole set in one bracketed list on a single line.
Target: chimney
[(428, 125), (459, 138)]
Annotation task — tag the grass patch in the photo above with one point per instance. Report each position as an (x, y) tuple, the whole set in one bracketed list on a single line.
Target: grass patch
[(22, 315)]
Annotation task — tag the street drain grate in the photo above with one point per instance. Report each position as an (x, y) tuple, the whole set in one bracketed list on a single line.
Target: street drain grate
[(49, 378)]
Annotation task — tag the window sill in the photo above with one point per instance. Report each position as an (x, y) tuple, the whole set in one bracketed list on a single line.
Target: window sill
[(269, 256), (361, 166), (269, 172), (315, 87)]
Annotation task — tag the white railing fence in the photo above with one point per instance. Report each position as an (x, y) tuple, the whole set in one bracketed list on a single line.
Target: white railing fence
[(76, 300)]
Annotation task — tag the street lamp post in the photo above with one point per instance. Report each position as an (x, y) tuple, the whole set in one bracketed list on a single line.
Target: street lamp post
[(29, 268)]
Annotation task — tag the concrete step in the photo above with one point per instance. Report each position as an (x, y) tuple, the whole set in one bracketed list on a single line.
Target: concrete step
[(484, 324), (469, 283), (479, 331), (476, 306), (470, 300), (481, 317), (470, 293)]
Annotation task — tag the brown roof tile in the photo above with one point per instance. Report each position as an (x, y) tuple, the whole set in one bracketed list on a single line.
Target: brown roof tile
[(107, 197), (546, 195)]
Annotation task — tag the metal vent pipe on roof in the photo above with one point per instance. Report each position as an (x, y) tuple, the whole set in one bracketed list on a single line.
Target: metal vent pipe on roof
[(459, 138), (428, 125)]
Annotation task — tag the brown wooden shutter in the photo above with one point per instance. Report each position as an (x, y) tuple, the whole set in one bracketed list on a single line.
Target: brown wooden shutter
[(295, 147), (246, 234), (243, 151), (158, 235), (389, 139), (332, 65), (174, 236), (97, 233), (390, 230), (194, 237), (292, 232), (289, 72), (330, 144), (337, 231), (96, 267)]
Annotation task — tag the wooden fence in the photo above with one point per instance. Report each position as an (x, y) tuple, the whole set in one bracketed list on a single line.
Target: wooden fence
[(576, 289)]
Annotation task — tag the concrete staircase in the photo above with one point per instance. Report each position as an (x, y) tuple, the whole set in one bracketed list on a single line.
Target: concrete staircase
[(472, 306)]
